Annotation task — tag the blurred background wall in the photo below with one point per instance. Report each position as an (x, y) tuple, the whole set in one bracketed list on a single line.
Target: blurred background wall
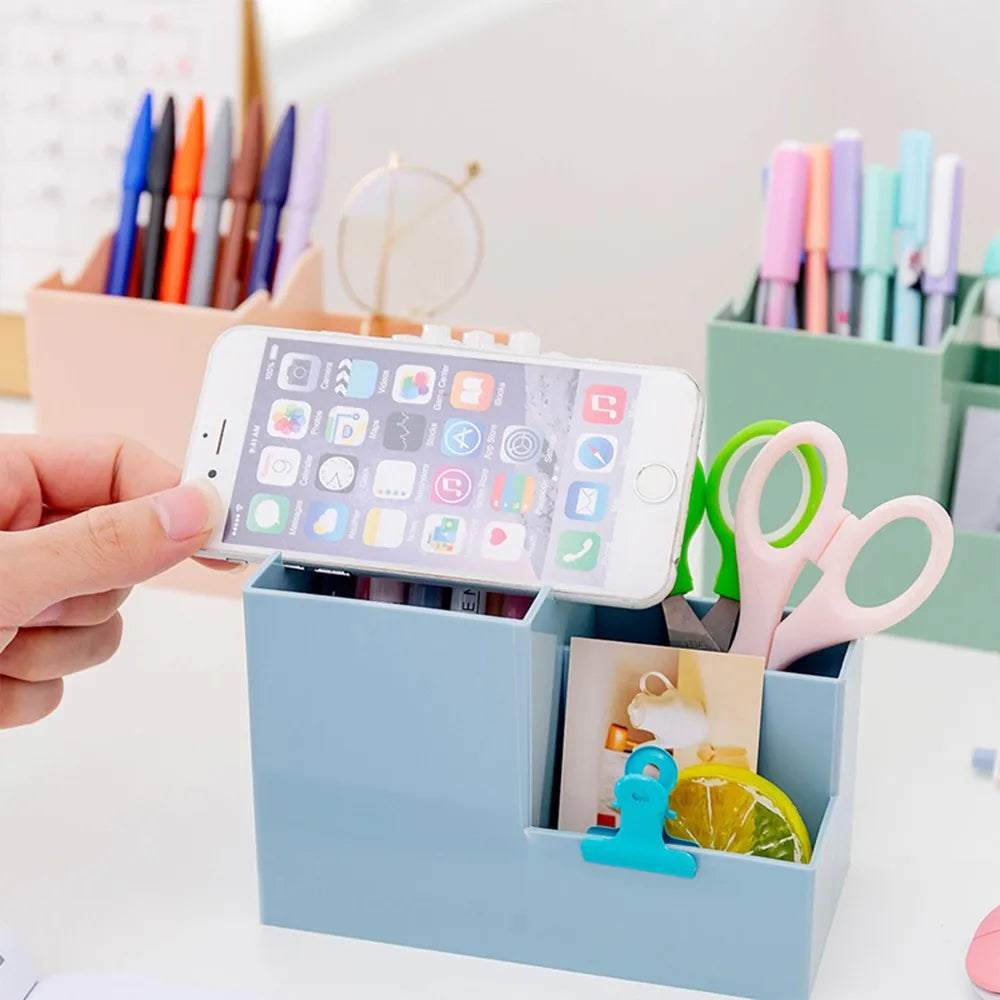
[(621, 143)]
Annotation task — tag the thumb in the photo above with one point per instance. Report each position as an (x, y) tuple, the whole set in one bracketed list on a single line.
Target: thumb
[(105, 548)]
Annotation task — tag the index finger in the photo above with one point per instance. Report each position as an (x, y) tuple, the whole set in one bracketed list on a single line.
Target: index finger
[(77, 473)]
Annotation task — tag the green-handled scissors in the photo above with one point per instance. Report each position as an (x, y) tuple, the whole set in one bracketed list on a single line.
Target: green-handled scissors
[(712, 497)]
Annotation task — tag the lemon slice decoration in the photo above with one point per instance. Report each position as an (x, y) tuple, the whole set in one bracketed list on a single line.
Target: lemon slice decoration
[(726, 808)]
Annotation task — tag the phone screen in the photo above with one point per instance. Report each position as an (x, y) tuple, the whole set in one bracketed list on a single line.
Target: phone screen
[(481, 468)]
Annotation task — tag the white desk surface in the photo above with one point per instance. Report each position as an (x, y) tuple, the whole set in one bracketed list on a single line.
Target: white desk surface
[(126, 831)]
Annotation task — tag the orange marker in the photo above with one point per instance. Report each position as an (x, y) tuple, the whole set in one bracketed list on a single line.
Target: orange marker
[(184, 187), (817, 240)]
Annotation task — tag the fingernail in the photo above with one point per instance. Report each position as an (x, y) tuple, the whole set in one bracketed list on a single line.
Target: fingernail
[(188, 510), (49, 616)]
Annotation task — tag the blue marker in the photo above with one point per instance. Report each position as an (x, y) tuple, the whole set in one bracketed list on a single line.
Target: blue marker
[(272, 195), (133, 184), (913, 215), (425, 595)]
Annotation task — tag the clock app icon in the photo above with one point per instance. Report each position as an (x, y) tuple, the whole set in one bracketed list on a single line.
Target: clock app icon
[(337, 473)]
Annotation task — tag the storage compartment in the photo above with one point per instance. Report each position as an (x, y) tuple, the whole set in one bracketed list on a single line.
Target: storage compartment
[(899, 412), (405, 765)]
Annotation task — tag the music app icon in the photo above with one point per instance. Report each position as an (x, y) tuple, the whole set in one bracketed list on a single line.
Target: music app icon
[(452, 486), (604, 404)]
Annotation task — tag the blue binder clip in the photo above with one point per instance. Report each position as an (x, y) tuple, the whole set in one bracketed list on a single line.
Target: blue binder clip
[(643, 802)]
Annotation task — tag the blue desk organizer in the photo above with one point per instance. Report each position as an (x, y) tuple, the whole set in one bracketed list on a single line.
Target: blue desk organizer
[(405, 768)]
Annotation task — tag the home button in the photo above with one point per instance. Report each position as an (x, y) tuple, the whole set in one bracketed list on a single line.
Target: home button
[(655, 483)]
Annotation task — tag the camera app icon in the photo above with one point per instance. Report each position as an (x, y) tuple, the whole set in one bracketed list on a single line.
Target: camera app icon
[(299, 372)]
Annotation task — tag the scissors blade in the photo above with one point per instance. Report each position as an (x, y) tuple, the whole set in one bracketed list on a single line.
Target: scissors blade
[(720, 622), (684, 627)]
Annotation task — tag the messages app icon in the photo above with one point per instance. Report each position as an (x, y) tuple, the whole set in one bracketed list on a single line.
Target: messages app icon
[(268, 513)]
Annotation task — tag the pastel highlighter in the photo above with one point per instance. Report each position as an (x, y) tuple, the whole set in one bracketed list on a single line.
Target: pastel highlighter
[(817, 240), (784, 229)]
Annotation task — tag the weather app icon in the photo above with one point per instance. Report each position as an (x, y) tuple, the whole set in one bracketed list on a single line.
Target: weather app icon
[(326, 522)]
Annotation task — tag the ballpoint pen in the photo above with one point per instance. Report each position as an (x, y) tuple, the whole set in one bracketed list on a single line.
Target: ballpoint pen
[(272, 194), (878, 220), (158, 171), (845, 222), (915, 158), (304, 193), (940, 277), (784, 229), (817, 240), (242, 188), (214, 188), (133, 184), (184, 188)]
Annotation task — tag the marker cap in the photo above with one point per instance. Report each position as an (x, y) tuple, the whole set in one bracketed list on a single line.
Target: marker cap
[(941, 258), (309, 164), (915, 159), (878, 221), (137, 156), (276, 175), (186, 175), (845, 200), (219, 158), (784, 226), (818, 202), (991, 263)]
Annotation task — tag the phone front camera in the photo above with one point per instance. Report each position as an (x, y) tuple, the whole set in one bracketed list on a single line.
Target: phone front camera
[(212, 473)]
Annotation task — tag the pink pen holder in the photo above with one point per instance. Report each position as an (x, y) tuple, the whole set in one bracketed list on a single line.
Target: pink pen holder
[(105, 364)]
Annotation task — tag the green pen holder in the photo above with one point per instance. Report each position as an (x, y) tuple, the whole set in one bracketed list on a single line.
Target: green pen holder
[(899, 411)]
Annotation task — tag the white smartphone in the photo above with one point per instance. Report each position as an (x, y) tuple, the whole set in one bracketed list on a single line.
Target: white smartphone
[(483, 467)]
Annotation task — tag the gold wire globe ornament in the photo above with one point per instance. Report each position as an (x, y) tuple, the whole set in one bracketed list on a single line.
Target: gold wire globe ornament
[(409, 242)]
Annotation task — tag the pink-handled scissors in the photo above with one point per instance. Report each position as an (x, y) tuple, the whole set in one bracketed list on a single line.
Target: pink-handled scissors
[(832, 542)]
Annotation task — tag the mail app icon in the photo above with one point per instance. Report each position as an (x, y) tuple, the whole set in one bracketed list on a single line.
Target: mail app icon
[(587, 501)]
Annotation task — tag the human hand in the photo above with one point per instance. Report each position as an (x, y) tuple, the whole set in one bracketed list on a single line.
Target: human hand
[(81, 521)]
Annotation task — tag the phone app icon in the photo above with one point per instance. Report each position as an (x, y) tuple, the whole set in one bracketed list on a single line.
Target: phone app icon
[(587, 501), (404, 431), (268, 514), (299, 372), (394, 479), (326, 522), (413, 384), (355, 378), (278, 466), (513, 494), (578, 550), (604, 404), (336, 473), (384, 528), (452, 486), (347, 425), (595, 452), (520, 444), (289, 418), (443, 534), (472, 391), (503, 541), (461, 438)]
